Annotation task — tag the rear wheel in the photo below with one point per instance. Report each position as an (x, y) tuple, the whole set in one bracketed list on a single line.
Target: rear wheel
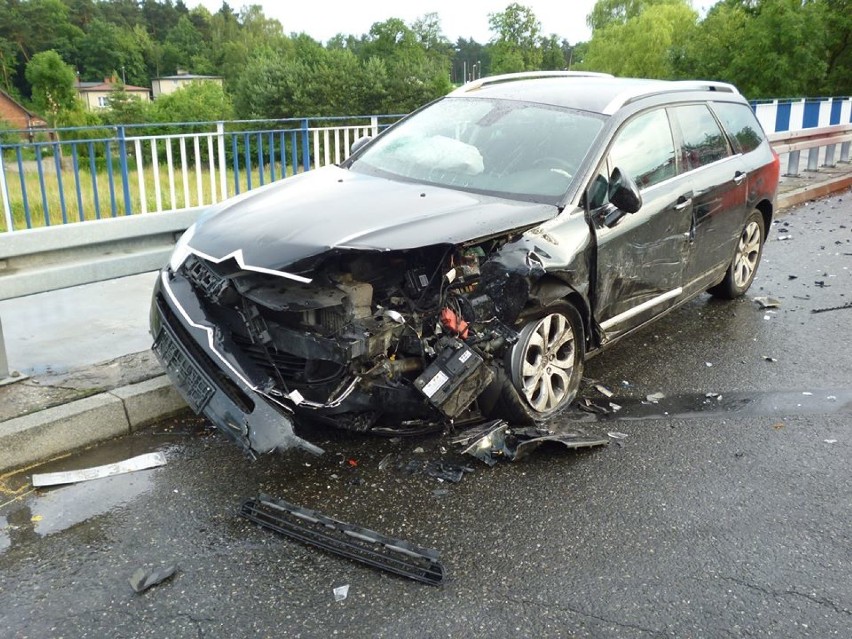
[(741, 271), (543, 369)]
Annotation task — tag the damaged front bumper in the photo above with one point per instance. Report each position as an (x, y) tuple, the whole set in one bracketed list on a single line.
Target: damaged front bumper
[(220, 391)]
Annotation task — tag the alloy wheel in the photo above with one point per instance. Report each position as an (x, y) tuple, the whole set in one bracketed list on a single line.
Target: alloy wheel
[(748, 253), (543, 362)]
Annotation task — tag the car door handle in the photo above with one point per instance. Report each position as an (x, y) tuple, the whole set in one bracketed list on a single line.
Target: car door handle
[(682, 203), (739, 176)]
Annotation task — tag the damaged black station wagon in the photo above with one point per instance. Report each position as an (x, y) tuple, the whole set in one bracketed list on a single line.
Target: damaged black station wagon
[(465, 262)]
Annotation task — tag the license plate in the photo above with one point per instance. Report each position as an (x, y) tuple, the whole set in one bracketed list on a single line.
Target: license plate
[(194, 385)]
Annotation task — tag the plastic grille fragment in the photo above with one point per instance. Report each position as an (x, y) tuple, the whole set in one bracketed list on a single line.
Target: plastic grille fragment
[(360, 544)]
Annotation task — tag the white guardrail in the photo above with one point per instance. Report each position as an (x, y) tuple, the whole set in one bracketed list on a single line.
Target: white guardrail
[(45, 259)]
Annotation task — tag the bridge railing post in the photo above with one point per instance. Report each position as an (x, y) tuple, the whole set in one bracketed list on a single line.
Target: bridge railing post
[(792, 164), (4, 360), (844, 151), (223, 161), (813, 159), (4, 195)]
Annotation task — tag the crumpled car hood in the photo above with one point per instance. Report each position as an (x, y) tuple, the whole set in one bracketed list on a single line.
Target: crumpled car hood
[(328, 208)]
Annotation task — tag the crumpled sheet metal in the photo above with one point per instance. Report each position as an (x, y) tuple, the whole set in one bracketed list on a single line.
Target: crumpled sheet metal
[(496, 441)]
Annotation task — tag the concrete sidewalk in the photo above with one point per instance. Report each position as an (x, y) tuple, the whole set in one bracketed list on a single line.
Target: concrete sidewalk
[(92, 377)]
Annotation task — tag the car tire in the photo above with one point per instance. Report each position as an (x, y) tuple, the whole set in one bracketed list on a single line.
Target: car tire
[(543, 369), (743, 266)]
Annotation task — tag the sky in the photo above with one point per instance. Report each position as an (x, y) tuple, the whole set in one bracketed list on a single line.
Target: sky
[(322, 19)]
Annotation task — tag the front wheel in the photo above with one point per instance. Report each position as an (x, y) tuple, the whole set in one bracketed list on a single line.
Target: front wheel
[(542, 372), (741, 271)]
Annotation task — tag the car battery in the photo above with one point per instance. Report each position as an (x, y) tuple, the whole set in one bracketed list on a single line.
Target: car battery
[(455, 378)]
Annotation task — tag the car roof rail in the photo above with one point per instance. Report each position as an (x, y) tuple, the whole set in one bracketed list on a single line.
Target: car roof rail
[(665, 86), (524, 75)]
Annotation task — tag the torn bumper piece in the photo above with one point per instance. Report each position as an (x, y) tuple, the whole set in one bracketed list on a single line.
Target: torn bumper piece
[(495, 441), (235, 408), (361, 544)]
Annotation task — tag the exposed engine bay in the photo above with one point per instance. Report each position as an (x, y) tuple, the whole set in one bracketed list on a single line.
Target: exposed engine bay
[(390, 342)]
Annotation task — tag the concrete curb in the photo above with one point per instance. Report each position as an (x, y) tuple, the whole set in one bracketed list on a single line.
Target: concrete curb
[(813, 191), (61, 429)]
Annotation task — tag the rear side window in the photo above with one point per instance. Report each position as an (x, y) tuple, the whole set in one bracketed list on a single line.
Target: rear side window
[(644, 149), (702, 140), (741, 125)]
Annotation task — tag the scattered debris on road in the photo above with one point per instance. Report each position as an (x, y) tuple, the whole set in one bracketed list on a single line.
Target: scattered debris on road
[(143, 579), (832, 308), (588, 406), (140, 462), (446, 471), (616, 435), (341, 592), (603, 390), (654, 398), (767, 302), (495, 441), (360, 544)]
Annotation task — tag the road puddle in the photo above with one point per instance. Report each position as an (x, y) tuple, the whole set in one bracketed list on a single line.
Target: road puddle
[(27, 513)]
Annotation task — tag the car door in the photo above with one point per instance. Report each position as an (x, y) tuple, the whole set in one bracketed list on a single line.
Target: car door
[(720, 192), (641, 259)]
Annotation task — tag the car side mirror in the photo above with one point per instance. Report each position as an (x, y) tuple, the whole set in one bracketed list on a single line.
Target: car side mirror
[(623, 192), (358, 144)]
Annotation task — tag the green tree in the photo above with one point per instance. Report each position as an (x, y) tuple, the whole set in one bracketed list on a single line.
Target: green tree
[(38, 25), (836, 18), (106, 49), (389, 39), (552, 53), (52, 84), (8, 65), (515, 46), (82, 12), (160, 16), (645, 45), (609, 12), (577, 54), (257, 28), (469, 53), (427, 30), (122, 13), (188, 44), (196, 102), (767, 48), (125, 108)]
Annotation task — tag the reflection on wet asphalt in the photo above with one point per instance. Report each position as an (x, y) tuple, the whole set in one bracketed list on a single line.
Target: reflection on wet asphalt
[(37, 513)]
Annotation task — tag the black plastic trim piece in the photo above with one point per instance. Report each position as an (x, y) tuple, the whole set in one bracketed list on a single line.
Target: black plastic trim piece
[(360, 544)]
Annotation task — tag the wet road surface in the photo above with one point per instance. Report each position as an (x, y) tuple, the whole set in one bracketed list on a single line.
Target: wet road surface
[(716, 516)]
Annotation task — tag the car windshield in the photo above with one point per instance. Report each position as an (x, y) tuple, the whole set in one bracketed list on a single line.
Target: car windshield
[(503, 147)]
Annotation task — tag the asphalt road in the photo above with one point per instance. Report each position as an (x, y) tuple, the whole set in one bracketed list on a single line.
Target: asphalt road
[(714, 517)]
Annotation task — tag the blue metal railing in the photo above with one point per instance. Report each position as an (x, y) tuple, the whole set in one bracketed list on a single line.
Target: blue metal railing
[(77, 174), (793, 114)]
